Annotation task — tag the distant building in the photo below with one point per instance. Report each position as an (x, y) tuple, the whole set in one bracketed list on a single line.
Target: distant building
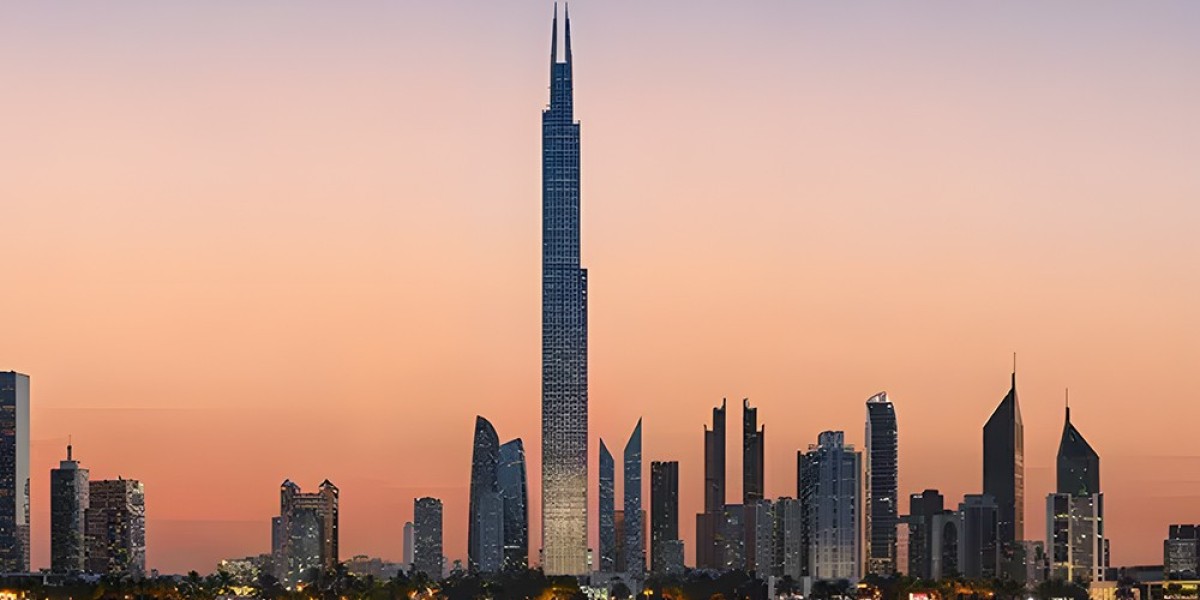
[(922, 509), (1075, 539), (367, 566), (485, 522), (309, 525), (14, 472), (761, 537), (882, 481), (635, 526), (709, 522), (278, 542), (68, 511), (789, 555), (1181, 552), (830, 483), (607, 510), (980, 536), (427, 538), (753, 452), (408, 545), (1004, 478), (115, 523), (514, 492), (664, 513), (619, 531), (731, 538)]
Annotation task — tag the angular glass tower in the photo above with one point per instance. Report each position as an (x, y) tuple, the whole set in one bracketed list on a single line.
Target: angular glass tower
[(514, 491), (882, 476), (635, 536), (708, 523), (564, 331), (753, 441), (485, 525), (1004, 475), (607, 507), (1078, 464)]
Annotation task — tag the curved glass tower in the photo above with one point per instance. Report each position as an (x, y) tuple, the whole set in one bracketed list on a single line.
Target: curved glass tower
[(608, 523), (564, 331), (514, 492), (485, 525), (635, 543)]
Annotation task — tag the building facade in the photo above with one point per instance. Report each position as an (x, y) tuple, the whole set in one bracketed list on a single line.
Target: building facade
[(1181, 553), (789, 555), (664, 514), (564, 330), (14, 472), (68, 511), (485, 516), (607, 509), (753, 453), (1076, 545), (409, 539), (882, 484), (115, 527), (1004, 477), (427, 537), (708, 523), (981, 558), (830, 482), (514, 493), (309, 526), (635, 526)]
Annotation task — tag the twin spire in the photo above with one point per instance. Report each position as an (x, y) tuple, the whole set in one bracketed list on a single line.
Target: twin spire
[(566, 36)]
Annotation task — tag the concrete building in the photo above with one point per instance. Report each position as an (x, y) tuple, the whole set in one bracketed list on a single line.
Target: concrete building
[(830, 489), (68, 511), (428, 556), (115, 527)]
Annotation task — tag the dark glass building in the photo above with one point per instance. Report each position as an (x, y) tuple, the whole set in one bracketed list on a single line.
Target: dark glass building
[(1078, 470), (753, 442), (664, 512), (68, 508), (514, 493), (485, 525), (607, 507), (882, 480), (1004, 478), (981, 556), (564, 330), (309, 525), (427, 537), (709, 522), (1075, 540), (635, 540), (14, 472), (115, 525)]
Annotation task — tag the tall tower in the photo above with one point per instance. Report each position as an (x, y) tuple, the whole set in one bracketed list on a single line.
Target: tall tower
[(427, 537), (514, 491), (753, 441), (1004, 476), (882, 476), (68, 505), (635, 528), (664, 514), (14, 472), (116, 527), (485, 524), (607, 501), (709, 522), (1075, 537), (564, 330)]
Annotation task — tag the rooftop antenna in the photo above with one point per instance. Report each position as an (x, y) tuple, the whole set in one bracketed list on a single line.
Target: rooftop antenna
[(68, 446)]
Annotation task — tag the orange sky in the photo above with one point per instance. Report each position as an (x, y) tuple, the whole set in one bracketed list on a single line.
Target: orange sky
[(249, 242)]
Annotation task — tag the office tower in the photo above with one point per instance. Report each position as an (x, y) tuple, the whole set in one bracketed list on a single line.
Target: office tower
[(14, 472), (664, 512), (607, 507), (922, 508), (789, 551), (731, 538), (753, 441), (309, 525), (408, 545), (619, 530), (830, 480), (514, 492), (945, 547), (635, 528), (761, 537), (881, 479), (1075, 514), (1181, 552), (68, 508), (278, 566), (708, 523), (1004, 476), (980, 537), (564, 331), (427, 537), (115, 527), (485, 521)]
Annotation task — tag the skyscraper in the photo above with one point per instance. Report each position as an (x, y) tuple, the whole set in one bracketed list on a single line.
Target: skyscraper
[(14, 472), (635, 528), (68, 508), (709, 522), (514, 492), (309, 524), (981, 558), (1004, 478), (408, 545), (753, 441), (881, 478), (922, 509), (1078, 464), (830, 480), (115, 526), (1075, 514), (789, 552), (564, 330), (485, 522), (664, 512), (427, 537), (607, 507)]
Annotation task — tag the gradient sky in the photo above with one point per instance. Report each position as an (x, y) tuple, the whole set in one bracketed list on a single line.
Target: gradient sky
[(249, 241)]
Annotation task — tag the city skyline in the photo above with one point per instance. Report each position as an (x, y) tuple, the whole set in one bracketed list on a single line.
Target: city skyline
[(807, 363)]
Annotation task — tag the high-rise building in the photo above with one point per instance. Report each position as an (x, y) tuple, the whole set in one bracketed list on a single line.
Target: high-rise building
[(1004, 477), (980, 536), (945, 547), (753, 443), (709, 522), (789, 550), (68, 509), (762, 538), (115, 527), (1181, 552), (309, 523), (14, 472), (664, 512), (564, 330), (830, 482), (607, 508), (882, 481), (619, 532), (427, 537), (922, 508), (1075, 541), (408, 545), (485, 522), (278, 566), (514, 492), (731, 538), (635, 527)]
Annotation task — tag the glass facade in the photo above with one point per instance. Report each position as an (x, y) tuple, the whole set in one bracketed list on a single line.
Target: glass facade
[(427, 537), (1004, 477), (607, 507), (635, 536), (882, 480), (14, 472), (68, 505), (115, 523), (485, 541), (514, 491)]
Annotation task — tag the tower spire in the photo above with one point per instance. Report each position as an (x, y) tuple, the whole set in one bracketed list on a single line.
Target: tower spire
[(567, 32), (554, 37)]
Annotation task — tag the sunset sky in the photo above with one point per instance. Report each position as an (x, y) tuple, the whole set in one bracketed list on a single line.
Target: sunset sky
[(250, 241)]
